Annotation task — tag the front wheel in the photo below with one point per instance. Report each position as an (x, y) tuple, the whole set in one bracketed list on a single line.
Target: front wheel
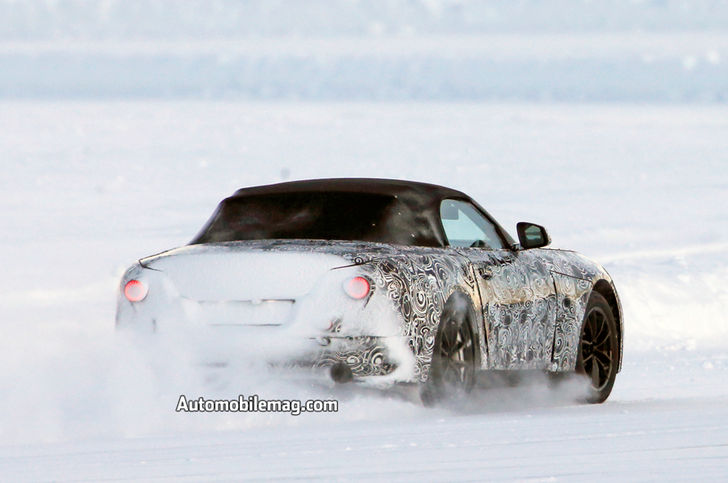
[(598, 352), (452, 371)]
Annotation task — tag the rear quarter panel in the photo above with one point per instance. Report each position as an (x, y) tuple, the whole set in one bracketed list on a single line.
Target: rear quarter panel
[(419, 281)]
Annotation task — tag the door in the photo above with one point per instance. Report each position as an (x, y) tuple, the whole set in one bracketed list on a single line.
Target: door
[(516, 288)]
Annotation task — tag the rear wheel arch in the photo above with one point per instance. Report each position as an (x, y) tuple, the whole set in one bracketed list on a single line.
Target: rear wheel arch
[(455, 359)]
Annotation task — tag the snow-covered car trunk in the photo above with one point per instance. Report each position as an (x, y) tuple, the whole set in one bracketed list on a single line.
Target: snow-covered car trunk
[(239, 286), (220, 285)]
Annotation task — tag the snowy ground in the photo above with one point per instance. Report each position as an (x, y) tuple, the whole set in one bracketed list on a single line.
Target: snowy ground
[(87, 187)]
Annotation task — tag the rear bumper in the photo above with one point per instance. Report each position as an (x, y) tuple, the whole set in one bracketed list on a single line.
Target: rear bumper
[(373, 360)]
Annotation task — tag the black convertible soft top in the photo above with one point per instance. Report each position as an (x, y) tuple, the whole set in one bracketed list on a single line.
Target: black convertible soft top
[(361, 209)]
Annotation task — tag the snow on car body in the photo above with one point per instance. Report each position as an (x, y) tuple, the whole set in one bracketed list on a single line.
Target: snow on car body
[(383, 281)]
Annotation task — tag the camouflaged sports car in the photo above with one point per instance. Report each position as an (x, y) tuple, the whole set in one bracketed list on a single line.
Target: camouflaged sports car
[(380, 282)]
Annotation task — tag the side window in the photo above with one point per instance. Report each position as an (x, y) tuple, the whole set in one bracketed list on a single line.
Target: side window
[(466, 227)]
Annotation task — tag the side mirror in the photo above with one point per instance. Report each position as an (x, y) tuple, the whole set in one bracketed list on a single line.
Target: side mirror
[(531, 235)]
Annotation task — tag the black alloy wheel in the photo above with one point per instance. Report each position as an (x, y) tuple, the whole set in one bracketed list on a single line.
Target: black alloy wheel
[(598, 352)]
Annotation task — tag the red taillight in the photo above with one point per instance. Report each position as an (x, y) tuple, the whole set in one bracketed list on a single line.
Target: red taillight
[(357, 288), (135, 291)]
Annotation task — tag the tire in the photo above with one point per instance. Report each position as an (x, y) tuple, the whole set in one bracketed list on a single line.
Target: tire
[(598, 352), (452, 370)]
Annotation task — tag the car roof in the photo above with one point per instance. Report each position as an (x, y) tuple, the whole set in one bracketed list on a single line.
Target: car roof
[(418, 216), (392, 187)]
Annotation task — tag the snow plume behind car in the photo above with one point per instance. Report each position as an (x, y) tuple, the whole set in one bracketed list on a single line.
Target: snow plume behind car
[(90, 386), (90, 382)]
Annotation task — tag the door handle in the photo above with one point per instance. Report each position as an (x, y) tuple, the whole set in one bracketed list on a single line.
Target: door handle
[(485, 273)]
